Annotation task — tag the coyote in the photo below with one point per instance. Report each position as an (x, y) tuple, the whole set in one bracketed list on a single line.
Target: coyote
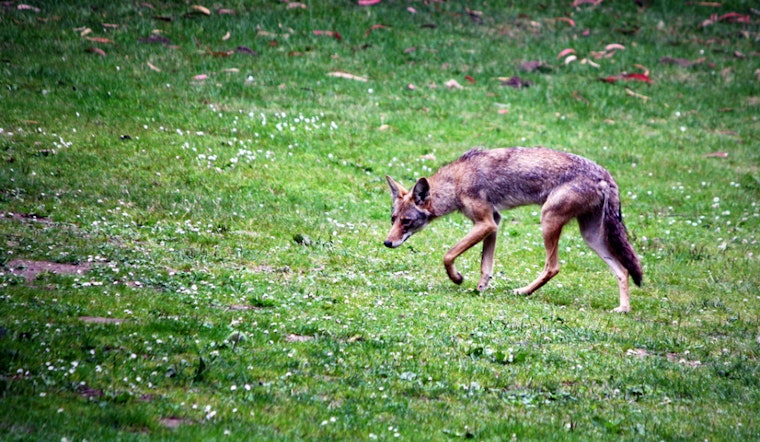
[(482, 182)]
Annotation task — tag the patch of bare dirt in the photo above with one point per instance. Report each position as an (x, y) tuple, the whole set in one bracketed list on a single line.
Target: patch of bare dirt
[(30, 269)]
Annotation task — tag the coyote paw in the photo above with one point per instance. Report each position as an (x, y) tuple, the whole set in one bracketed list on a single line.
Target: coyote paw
[(622, 309), (457, 278), (525, 291)]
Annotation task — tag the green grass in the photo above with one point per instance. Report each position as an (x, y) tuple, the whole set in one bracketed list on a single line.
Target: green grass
[(238, 287)]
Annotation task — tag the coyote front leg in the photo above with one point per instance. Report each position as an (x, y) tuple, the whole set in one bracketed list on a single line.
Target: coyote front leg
[(486, 262), (481, 231)]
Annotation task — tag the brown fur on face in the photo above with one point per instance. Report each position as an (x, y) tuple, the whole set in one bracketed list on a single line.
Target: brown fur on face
[(482, 182)]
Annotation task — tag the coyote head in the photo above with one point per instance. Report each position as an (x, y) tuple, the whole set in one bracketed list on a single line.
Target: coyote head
[(410, 211)]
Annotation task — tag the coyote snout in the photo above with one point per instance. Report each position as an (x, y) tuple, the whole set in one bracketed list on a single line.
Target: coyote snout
[(480, 183)]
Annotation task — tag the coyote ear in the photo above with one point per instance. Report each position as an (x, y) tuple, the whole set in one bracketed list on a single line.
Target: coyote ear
[(421, 191), (396, 188)]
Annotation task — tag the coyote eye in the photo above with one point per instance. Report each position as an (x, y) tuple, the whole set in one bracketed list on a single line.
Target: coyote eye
[(405, 222), (393, 219)]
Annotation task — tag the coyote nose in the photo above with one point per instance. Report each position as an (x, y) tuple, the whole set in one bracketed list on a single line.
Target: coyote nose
[(388, 243)]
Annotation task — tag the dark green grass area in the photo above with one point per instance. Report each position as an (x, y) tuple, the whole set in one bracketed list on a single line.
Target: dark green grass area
[(204, 203)]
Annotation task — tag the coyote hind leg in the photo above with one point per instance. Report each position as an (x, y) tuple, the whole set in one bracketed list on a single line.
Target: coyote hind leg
[(592, 231)]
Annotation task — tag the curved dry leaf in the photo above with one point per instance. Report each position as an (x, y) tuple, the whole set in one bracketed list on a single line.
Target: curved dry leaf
[(570, 59), (293, 5), (200, 77), (201, 9), (566, 20), (152, 67), (333, 34), (614, 47), (224, 11), (346, 75), (368, 2), (226, 36), (453, 84), (23, 7), (566, 52), (100, 39), (85, 32), (98, 51)]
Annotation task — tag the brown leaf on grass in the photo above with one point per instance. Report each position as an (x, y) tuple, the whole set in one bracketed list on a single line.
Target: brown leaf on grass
[(577, 3), (24, 7), (200, 9), (470, 79), (517, 83), (98, 51), (100, 39), (155, 39), (373, 28), (225, 11), (110, 25), (226, 36), (716, 155), (565, 52), (368, 2), (532, 66), (293, 5), (336, 35), (245, 50), (566, 20), (410, 50), (152, 67), (346, 75), (730, 17), (636, 95), (679, 61), (201, 77), (453, 84)]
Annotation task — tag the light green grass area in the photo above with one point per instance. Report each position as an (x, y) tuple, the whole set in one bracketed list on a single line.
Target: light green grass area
[(223, 199)]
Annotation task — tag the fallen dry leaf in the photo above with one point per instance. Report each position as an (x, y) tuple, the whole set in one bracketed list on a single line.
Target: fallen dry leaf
[(614, 47), (368, 2), (566, 20), (470, 79), (411, 10), (98, 51), (531, 66), (637, 95), (570, 59), (226, 36), (152, 67), (565, 52), (503, 111), (374, 27), (516, 82), (453, 84), (577, 3), (85, 32), (245, 50), (200, 77), (23, 7), (100, 39), (717, 154), (334, 34), (293, 5), (346, 75), (225, 11), (637, 77), (201, 9)]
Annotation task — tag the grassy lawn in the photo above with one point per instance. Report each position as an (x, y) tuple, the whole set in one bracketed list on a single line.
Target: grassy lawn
[(193, 205)]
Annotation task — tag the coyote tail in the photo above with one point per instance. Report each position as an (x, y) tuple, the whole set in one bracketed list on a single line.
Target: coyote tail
[(616, 236)]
